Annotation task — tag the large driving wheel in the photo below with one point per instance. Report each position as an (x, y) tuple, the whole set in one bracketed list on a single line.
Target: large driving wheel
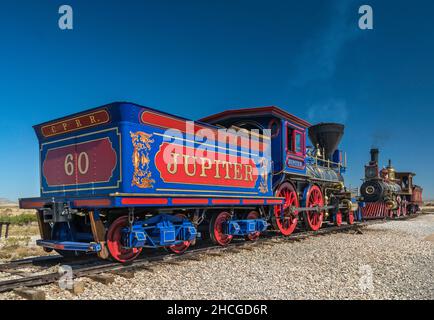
[(286, 222), (314, 198)]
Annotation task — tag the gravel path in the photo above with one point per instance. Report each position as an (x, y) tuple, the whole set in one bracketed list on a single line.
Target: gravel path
[(388, 261)]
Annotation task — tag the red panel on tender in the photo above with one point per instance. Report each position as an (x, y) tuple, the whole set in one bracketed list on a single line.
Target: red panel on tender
[(211, 170), (87, 162)]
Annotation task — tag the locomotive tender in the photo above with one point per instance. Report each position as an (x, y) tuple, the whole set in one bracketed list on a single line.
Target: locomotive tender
[(388, 193), (123, 177)]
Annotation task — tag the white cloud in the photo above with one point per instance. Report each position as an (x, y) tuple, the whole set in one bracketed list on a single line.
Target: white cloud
[(330, 111), (318, 57)]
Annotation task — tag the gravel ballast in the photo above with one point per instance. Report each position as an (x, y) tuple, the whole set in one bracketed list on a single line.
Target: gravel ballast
[(392, 260)]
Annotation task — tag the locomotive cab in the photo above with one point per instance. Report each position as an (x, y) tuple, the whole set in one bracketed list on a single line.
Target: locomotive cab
[(307, 177), (286, 132)]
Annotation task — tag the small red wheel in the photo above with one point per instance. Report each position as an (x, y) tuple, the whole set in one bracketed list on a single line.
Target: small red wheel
[(183, 246), (216, 229), (287, 225), (313, 219), (398, 210), (114, 242), (338, 218), (350, 217), (404, 208), (255, 235)]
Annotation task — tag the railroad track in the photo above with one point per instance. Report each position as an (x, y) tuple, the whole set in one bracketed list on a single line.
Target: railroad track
[(92, 266)]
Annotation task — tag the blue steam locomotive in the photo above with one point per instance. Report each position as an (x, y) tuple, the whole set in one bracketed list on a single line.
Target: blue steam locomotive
[(123, 177)]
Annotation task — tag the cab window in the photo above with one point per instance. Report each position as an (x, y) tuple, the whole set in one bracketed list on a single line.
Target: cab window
[(290, 140), (298, 143), (295, 141)]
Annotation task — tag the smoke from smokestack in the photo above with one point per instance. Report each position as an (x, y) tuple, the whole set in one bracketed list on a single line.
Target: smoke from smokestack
[(374, 155)]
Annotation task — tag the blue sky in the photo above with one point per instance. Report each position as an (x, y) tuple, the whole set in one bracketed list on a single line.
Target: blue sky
[(194, 58)]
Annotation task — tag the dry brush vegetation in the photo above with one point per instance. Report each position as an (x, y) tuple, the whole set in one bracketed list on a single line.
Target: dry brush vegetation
[(23, 231)]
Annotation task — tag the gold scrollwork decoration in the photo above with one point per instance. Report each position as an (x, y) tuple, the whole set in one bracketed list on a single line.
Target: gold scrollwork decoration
[(142, 144)]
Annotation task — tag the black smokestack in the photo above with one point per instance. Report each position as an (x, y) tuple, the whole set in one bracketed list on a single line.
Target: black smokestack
[(374, 155), (327, 136)]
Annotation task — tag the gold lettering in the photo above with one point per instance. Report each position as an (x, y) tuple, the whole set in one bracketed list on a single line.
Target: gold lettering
[(92, 119), (237, 171), (172, 167), (205, 167), (249, 173), (78, 123), (53, 129), (227, 165), (217, 168), (186, 169), (65, 126)]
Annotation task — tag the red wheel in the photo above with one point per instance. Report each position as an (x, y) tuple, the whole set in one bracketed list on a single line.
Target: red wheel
[(313, 219), (216, 229), (255, 235), (404, 208), (114, 243), (338, 220), (398, 210), (350, 217), (287, 225), (183, 246)]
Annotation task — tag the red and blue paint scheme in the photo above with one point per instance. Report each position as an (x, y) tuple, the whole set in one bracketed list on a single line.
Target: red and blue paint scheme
[(306, 176), (122, 177), (123, 155), (288, 134)]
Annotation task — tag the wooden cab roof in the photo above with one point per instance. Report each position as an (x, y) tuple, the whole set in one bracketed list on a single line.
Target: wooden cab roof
[(258, 111)]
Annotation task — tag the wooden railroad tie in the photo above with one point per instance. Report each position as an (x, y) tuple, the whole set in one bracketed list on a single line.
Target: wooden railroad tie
[(193, 258), (124, 274), (248, 248), (77, 288), (30, 294), (147, 268), (172, 262), (266, 244), (102, 278), (233, 250), (215, 254), (19, 273)]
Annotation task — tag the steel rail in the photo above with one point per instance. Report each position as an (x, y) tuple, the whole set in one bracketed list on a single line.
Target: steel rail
[(103, 266)]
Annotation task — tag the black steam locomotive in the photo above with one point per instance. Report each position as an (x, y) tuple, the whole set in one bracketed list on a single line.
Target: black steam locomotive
[(387, 193)]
